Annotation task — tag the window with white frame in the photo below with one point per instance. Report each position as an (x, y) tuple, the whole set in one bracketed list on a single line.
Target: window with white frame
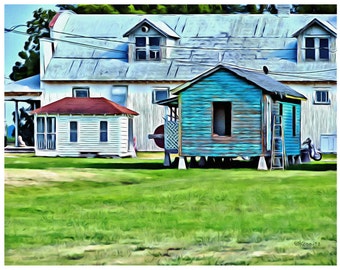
[(73, 131), (81, 92), (148, 48), (317, 49), (46, 133), (322, 97), (160, 93), (103, 131)]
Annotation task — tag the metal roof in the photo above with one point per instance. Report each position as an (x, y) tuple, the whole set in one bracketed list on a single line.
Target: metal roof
[(93, 47), (71, 105), (263, 81)]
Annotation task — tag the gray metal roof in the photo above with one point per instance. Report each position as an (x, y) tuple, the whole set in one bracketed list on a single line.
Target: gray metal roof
[(93, 47), (265, 82)]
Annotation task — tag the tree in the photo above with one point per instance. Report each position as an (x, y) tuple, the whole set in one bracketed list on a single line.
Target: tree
[(37, 28), (314, 9)]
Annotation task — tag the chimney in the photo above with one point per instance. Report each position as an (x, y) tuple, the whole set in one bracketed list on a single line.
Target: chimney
[(283, 10)]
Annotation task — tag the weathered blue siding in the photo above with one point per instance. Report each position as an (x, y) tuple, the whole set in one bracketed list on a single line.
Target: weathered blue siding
[(292, 142), (196, 114)]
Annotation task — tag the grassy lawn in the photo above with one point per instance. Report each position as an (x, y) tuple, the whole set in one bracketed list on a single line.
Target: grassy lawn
[(89, 211)]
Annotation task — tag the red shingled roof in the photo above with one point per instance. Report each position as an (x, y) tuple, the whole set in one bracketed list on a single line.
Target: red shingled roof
[(71, 105)]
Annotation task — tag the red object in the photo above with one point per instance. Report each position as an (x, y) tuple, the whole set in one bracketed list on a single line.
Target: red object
[(159, 130), (71, 105), (54, 20)]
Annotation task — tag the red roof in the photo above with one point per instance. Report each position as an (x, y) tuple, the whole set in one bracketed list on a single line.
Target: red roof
[(71, 105)]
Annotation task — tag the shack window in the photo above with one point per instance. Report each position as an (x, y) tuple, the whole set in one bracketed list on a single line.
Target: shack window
[(222, 116), (160, 93), (73, 131), (148, 48), (103, 131)]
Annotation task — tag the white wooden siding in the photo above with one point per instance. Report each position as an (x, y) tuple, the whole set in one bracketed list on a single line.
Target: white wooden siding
[(88, 139)]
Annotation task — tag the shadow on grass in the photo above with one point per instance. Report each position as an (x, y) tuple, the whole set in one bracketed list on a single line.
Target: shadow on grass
[(314, 167)]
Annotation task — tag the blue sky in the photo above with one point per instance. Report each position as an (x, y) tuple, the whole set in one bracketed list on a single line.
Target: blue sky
[(15, 15)]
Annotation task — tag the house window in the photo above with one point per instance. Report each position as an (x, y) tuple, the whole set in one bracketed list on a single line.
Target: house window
[(46, 133), (222, 117), (316, 49), (73, 131), (148, 48), (294, 122), (119, 94), (159, 94), (81, 92), (103, 131), (321, 97)]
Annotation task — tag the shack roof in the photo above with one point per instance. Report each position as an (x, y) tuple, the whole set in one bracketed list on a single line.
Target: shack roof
[(263, 81), (92, 106), (95, 47)]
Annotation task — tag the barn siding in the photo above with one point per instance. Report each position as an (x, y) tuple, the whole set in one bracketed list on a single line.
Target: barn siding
[(196, 117)]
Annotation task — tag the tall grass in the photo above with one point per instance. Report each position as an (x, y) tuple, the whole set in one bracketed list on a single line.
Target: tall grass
[(140, 215)]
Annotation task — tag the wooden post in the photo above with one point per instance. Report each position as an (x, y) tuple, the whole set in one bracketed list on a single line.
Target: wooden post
[(16, 117)]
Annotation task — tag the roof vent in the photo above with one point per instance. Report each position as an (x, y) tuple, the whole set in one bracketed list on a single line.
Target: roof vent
[(145, 29)]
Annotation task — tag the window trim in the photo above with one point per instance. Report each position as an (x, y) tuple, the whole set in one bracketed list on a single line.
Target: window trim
[(73, 132), (159, 89), (148, 49), (317, 49), (228, 121), (103, 131), (77, 88), (49, 144), (316, 102)]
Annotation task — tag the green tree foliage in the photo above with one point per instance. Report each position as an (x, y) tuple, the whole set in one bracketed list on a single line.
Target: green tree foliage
[(36, 29), (314, 9)]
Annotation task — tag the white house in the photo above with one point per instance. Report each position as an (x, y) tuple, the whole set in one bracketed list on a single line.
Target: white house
[(83, 127), (135, 60)]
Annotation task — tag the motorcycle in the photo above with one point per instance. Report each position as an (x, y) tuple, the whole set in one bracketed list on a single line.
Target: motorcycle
[(313, 152)]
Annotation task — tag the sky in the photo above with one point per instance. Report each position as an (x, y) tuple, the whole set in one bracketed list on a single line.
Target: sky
[(16, 15)]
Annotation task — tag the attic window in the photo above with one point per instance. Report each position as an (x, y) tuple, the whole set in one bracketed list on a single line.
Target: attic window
[(148, 48), (81, 92), (222, 117), (316, 49)]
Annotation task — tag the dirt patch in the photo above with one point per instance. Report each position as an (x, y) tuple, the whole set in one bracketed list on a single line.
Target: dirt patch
[(25, 177)]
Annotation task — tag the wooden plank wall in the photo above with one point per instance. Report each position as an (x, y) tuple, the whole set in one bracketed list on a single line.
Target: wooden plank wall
[(196, 117)]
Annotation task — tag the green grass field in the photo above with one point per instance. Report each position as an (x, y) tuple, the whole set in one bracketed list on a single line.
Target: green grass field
[(91, 211)]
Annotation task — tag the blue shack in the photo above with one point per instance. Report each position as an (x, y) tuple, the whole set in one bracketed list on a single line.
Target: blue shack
[(228, 112)]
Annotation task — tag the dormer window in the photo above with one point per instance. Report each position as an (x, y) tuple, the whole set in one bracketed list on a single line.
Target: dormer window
[(316, 49), (316, 42), (148, 48)]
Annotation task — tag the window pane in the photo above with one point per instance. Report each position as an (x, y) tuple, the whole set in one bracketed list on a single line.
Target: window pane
[(154, 55), (324, 43), (141, 55), (103, 131), (322, 97), (81, 92), (41, 124), (310, 42), (41, 141), (73, 131), (154, 41), (51, 141), (51, 124), (119, 94), (310, 54), (140, 41)]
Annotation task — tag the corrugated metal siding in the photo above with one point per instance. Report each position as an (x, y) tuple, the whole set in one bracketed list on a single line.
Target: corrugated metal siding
[(88, 135), (196, 117), (292, 143)]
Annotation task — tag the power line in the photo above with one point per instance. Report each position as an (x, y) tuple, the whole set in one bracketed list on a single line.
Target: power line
[(293, 74)]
